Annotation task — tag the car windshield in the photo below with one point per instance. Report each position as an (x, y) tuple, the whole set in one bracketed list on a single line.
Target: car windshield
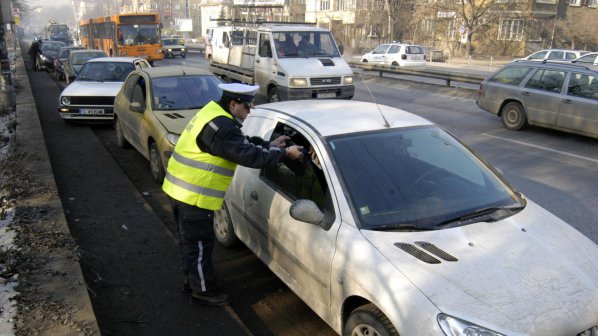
[(184, 92), (105, 71), (138, 34), (418, 178), (170, 42), (81, 58), (51, 46), (305, 44)]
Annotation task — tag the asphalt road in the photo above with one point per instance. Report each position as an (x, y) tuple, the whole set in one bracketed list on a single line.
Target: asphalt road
[(122, 222)]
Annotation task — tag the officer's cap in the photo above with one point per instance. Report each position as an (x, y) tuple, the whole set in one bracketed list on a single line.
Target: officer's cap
[(241, 93)]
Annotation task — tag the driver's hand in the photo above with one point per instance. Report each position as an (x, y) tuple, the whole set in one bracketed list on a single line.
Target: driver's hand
[(294, 152), (280, 141)]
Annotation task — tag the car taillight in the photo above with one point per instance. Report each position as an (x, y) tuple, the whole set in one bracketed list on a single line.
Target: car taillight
[(403, 57)]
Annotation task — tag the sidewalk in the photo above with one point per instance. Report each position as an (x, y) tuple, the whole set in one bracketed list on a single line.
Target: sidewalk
[(52, 294)]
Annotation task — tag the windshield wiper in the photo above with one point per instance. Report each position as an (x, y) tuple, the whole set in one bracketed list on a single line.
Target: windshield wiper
[(401, 227), (489, 214)]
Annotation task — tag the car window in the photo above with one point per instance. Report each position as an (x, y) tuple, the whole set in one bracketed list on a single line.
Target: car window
[(538, 55), (303, 178), (184, 92), (139, 92), (81, 58), (556, 55), (570, 56), (511, 75), (393, 49), (414, 50), (105, 71), (583, 85), (587, 59), (546, 80), (417, 176), (129, 86), (381, 49)]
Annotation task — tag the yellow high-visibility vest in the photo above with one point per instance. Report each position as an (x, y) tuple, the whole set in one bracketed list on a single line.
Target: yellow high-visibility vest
[(195, 177)]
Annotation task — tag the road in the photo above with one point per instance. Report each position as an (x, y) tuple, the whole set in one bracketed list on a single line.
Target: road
[(122, 221)]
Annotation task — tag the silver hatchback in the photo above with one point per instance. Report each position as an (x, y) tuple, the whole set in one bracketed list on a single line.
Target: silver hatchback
[(553, 95)]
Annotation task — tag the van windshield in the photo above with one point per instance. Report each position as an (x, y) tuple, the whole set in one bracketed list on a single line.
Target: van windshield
[(305, 44)]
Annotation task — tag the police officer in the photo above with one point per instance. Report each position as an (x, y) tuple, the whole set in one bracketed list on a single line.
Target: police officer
[(201, 169)]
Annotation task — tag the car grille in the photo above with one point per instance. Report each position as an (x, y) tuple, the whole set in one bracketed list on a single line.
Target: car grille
[(96, 101), (590, 332), (325, 81)]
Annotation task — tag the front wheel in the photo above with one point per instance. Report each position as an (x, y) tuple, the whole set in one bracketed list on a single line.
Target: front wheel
[(156, 163), (223, 227), (368, 320), (273, 95), (513, 116)]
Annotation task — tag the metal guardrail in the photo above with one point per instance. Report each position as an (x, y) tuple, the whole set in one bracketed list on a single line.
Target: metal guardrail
[(446, 75)]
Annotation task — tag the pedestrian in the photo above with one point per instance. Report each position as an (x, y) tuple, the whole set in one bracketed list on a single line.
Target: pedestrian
[(34, 49), (201, 169)]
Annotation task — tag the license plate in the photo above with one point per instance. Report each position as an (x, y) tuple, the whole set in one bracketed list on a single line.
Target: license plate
[(326, 95), (91, 111)]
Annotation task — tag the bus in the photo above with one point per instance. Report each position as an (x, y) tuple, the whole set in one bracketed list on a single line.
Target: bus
[(135, 34), (58, 32)]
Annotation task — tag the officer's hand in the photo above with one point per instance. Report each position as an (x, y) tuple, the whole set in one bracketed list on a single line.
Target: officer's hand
[(294, 152), (280, 141)]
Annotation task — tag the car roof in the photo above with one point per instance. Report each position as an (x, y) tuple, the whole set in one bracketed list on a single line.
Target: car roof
[(333, 117), (115, 59), (549, 64), (174, 70), (83, 51)]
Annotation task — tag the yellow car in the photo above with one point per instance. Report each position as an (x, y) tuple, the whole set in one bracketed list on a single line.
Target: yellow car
[(155, 104)]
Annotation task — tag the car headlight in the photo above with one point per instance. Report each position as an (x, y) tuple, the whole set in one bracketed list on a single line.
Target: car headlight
[(64, 100), (299, 82), (182, 49), (43, 57), (452, 326), (169, 49), (348, 80), (172, 138)]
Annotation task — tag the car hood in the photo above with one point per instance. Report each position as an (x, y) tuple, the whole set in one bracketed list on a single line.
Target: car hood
[(529, 274), (315, 67), (81, 88), (175, 121)]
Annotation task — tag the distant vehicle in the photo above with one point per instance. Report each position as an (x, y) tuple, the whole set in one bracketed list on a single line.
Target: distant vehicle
[(60, 60), (76, 59), (48, 52), (554, 95), (395, 54), (91, 96), (171, 47), (434, 55), (144, 106), (58, 32), (587, 59), (554, 55), (133, 35), (394, 227)]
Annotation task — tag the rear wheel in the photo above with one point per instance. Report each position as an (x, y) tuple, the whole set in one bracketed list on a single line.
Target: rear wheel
[(273, 95), (513, 116), (156, 163), (368, 320), (223, 227)]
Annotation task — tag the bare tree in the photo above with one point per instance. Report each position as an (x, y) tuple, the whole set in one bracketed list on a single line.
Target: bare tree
[(576, 30)]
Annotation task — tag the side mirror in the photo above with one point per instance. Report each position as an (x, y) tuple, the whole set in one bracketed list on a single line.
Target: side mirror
[(307, 211), (136, 107)]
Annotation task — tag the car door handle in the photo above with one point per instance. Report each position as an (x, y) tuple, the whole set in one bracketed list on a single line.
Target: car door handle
[(567, 101), (525, 93), (254, 195)]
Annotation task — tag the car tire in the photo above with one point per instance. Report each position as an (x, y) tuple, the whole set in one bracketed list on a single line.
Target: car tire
[(156, 163), (223, 227), (513, 116), (395, 64), (368, 320), (120, 136), (273, 95)]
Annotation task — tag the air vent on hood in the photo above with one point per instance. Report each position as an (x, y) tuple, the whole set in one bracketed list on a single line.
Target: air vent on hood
[(419, 254), (436, 251), (326, 62), (174, 115)]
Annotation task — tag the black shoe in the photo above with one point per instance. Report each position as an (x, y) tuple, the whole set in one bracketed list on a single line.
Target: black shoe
[(185, 288), (211, 297)]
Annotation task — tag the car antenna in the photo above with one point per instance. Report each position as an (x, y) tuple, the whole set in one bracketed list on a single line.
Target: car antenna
[(386, 124)]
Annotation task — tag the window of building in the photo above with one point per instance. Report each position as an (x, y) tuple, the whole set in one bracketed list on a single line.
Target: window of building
[(154, 6), (511, 29), (575, 3), (535, 30), (325, 5), (452, 30), (591, 3), (428, 27)]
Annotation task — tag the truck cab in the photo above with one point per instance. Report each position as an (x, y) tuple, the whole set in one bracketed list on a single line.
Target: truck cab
[(289, 62)]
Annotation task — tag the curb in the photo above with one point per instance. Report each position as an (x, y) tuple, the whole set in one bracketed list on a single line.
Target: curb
[(30, 141)]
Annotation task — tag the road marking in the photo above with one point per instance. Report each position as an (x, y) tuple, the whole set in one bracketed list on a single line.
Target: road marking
[(544, 148)]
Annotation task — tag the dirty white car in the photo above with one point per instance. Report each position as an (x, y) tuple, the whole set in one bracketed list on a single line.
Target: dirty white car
[(392, 226)]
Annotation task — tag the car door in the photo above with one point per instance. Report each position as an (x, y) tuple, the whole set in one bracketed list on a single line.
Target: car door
[(264, 67), (300, 253), (579, 108), (542, 95), (378, 55), (132, 122), (393, 55)]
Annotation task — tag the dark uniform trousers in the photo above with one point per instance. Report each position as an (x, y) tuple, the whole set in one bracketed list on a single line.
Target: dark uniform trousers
[(196, 238)]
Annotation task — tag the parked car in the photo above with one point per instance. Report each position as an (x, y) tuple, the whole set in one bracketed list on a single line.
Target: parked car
[(172, 47), (394, 227), (555, 95), (587, 59), (91, 96), (60, 60), (48, 51), (557, 55), (76, 59), (395, 54), (154, 106), (434, 55)]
